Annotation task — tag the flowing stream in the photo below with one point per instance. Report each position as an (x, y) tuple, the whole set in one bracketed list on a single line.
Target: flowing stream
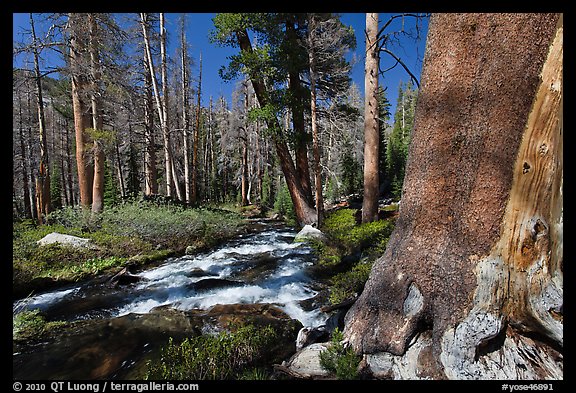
[(263, 267), (109, 336)]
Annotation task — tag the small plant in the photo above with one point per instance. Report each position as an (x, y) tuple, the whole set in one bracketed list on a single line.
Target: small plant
[(29, 323), (283, 203), (340, 358), (223, 356)]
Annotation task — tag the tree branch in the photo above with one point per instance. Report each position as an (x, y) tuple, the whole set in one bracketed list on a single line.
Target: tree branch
[(402, 64), (378, 36)]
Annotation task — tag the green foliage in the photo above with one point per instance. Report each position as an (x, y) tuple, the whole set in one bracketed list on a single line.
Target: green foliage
[(29, 323), (223, 356), (342, 228), (55, 188), (343, 285), (111, 192), (352, 177), (339, 358), (283, 203), (348, 238), (399, 141), (254, 374), (105, 136)]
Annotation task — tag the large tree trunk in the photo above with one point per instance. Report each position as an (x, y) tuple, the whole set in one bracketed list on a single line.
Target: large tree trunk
[(79, 106), (297, 108), (472, 274), (305, 214), (97, 118), (371, 128), (314, 121)]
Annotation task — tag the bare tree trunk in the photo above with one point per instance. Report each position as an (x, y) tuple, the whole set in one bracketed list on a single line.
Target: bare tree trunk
[(196, 138), (209, 156), (371, 129), (161, 103), (244, 190), (27, 206), (150, 174), (65, 190), (185, 120), (69, 177), (119, 169), (315, 137), (43, 177), (471, 283), (164, 104), (30, 160), (305, 214)]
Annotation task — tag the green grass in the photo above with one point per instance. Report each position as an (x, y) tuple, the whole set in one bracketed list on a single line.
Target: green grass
[(27, 324), (134, 232)]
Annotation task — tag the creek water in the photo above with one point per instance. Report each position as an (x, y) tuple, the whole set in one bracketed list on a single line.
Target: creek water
[(262, 267), (108, 337)]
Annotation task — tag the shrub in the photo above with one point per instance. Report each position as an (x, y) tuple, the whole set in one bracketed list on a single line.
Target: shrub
[(223, 356), (344, 285), (283, 203), (341, 226), (340, 358)]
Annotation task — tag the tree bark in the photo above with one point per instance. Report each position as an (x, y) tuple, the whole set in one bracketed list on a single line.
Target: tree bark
[(43, 177), (313, 112), (81, 120), (196, 138), (297, 108), (472, 274), (185, 119), (150, 174), (305, 214), (371, 129), (97, 118)]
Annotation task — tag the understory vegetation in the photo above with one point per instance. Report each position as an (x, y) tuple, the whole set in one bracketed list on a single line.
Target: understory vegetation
[(30, 323), (226, 355), (340, 358), (350, 252), (130, 233)]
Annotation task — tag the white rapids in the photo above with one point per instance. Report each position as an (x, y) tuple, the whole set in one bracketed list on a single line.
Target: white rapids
[(266, 267)]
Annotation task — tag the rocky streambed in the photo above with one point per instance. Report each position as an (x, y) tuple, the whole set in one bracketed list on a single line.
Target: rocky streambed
[(117, 323)]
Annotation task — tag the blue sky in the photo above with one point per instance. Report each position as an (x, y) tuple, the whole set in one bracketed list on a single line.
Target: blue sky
[(213, 56)]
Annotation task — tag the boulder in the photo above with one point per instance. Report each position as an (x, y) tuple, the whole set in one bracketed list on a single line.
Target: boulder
[(207, 284), (309, 233), (67, 240), (310, 335), (306, 362)]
